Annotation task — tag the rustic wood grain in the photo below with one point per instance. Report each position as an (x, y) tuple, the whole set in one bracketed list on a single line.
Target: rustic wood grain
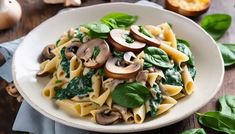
[(35, 12)]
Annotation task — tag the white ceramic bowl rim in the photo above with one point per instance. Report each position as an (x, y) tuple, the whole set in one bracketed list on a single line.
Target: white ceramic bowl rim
[(117, 130)]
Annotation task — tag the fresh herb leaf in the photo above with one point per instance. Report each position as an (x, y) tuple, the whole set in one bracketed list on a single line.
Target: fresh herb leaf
[(58, 81), (183, 46), (170, 25), (77, 86), (118, 54), (228, 53), (155, 100), (192, 70), (128, 39), (65, 63), (130, 95), (157, 57), (96, 52), (218, 121), (194, 131), (147, 65), (145, 32), (173, 76), (100, 72), (98, 30), (227, 103), (216, 24), (119, 20), (79, 35)]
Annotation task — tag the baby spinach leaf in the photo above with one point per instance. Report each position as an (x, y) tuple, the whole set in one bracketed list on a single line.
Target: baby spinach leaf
[(217, 121), (192, 70), (227, 103), (145, 31), (147, 65), (173, 76), (77, 86), (130, 95), (155, 100), (96, 52), (79, 35), (216, 24), (97, 30), (118, 54), (194, 131), (119, 20), (228, 53), (128, 39), (183, 46), (157, 57), (100, 71), (65, 63)]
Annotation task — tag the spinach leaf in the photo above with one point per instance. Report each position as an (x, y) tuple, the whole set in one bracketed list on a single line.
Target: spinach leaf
[(218, 121), (65, 63), (194, 131), (97, 30), (155, 100), (119, 20), (96, 52), (173, 76), (216, 24), (147, 65), (130, 95), (57, 43), (100, 71), (145, 32), (128, 39), (77, 86), (228, 53), (79, 35), (183, 46), (118, 54), (192, 70), (157, 57), (227, 103)]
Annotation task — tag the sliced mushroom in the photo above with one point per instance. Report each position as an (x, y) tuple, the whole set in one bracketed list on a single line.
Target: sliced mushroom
[(126, 114), (129, 57), (142, 76), (136, 34), (106, 116), (121, 41), (71, 50), (47, 53), (121, 72), (85, 53)]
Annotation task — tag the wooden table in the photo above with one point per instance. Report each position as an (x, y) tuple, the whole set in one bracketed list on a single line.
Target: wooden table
[(35, 12)]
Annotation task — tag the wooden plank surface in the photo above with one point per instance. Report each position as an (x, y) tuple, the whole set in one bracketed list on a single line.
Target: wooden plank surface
[(35, 12)]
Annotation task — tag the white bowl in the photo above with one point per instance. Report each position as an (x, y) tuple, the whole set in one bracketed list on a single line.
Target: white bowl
[(209, 64)]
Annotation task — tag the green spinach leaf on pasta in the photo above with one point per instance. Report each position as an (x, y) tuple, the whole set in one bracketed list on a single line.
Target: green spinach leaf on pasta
[(157, 57), (65, 63), (173, 76), (130, 95), (78, 86), (119, 20)]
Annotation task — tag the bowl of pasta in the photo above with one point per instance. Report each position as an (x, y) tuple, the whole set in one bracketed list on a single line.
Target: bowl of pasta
[(118, 68)]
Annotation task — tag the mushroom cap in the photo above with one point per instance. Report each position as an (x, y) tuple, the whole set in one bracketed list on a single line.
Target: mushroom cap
[(120, 72), (106, 116), (128, 56), (71, 50), (190, 8), (137, 35), (85, 52), (47, 53), (117, 39)]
